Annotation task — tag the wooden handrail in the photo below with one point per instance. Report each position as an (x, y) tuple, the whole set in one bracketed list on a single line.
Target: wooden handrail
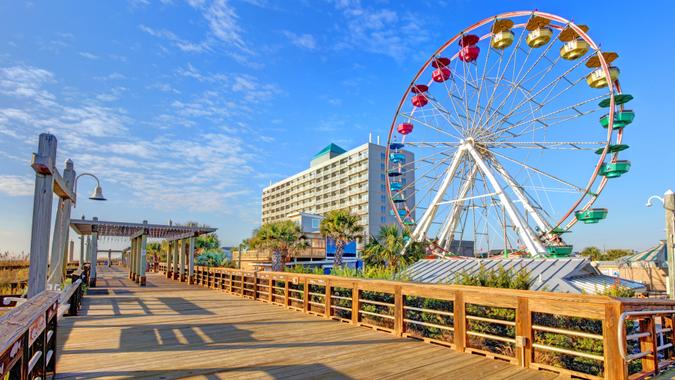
[(356, 300)]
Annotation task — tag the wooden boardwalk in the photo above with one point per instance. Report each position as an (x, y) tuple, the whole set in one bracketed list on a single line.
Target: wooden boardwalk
[(171, 330)]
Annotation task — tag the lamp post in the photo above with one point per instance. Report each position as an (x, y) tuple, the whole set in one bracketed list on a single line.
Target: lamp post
[(96, 195), (668, 201)]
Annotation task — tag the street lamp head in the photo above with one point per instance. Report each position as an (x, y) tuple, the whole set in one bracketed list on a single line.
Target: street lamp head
[(97, 195)]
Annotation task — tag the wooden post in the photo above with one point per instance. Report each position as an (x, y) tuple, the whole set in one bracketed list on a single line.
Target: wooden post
[(356, 294), (524, 331), (58, 260), (169, 263), (328, 302), (94, 254), (398, 311), (459, 309), (81, 264), (191, 264), (175, 259), (669, 205), (305, 295), (287, 302), (142, 241), (181, 260), (615, 366), (270, 296), (650, 363), (43, 164), (71, 251), (130, 260), (109, 258)]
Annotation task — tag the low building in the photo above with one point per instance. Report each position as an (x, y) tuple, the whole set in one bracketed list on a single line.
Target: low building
[(571, 275), (649, 267)]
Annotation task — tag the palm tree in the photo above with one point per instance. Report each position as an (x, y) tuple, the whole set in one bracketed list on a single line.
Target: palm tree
[(342, 226), (386, 249), (282, 238)]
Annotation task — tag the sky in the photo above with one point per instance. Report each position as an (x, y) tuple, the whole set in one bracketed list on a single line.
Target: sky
[(186, 109)]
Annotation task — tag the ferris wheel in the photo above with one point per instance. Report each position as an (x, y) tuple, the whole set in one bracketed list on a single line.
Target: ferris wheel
[(512, 129)]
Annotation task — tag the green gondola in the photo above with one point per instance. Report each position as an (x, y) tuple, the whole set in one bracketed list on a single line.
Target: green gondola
[(621, 119), (618, 100), (592, 215), (559, 250), (615, 169), (613, 148)]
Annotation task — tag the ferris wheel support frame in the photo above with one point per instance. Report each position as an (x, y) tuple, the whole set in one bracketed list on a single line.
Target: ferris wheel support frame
[(453, 217), (518, 191), (424, 223), (529, 238)]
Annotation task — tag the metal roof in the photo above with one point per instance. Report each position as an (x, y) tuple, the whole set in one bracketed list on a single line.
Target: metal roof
[(554, 275), (656, 254), (124, 229)]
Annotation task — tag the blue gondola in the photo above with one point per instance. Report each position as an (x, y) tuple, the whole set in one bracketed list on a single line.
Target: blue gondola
[(396, 146)]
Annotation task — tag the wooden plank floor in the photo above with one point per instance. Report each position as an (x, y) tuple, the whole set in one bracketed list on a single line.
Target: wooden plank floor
[(171, 330)]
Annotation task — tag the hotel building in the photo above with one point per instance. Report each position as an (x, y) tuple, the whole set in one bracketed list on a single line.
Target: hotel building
[(338, 179)]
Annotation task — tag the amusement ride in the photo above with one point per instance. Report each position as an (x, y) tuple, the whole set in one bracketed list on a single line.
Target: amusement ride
[(513, 129)]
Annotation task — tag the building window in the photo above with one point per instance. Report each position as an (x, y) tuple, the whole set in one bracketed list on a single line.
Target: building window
[(382, 156), (382, 167), (383, 220), (382, 177), (316, 223)]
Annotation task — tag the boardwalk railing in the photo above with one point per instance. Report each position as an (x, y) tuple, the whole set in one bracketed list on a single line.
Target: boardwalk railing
[(581, 336), (28, 330)]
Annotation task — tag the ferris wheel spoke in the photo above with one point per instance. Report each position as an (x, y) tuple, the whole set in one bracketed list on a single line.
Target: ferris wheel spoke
[(552, 83), (445, 114), (552, 145), (517, 82), (551, 116), (411, 185), (539, 171), (410, 117), (501, 77)]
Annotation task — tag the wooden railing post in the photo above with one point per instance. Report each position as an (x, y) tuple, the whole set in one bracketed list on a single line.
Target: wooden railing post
[(328, 309), (270, 289), (356, 294), (305, 295), (398, 311), (615, 366), (459, 309), (255, 285), (650, 363), (524, 332), (286, 300)]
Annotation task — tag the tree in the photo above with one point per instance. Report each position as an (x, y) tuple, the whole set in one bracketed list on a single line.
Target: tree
[(282, 238), (387, 249), (207, 242), (593, 253), (342, 226)]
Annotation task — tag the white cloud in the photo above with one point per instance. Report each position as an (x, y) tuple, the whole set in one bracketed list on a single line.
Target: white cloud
[(379, 30), (16, 186), (306, 41), (223, 22), (183, 45), (88, 55)]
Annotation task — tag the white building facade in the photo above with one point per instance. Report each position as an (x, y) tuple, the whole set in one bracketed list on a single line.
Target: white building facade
[(338, 179)]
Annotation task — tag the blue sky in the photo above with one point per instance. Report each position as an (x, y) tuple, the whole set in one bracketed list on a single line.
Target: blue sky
[(186, 110)]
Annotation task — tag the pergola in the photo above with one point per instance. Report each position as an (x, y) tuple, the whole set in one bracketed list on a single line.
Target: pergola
[(181, 245)]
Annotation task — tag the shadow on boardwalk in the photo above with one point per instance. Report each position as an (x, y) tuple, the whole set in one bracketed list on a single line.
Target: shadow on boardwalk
[(174, 330)]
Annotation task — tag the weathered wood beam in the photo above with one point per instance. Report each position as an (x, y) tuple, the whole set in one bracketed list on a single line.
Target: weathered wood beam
[(58, 260), (43, 162)]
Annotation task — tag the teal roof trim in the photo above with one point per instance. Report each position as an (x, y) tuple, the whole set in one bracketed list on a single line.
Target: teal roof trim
[(330, 148)]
